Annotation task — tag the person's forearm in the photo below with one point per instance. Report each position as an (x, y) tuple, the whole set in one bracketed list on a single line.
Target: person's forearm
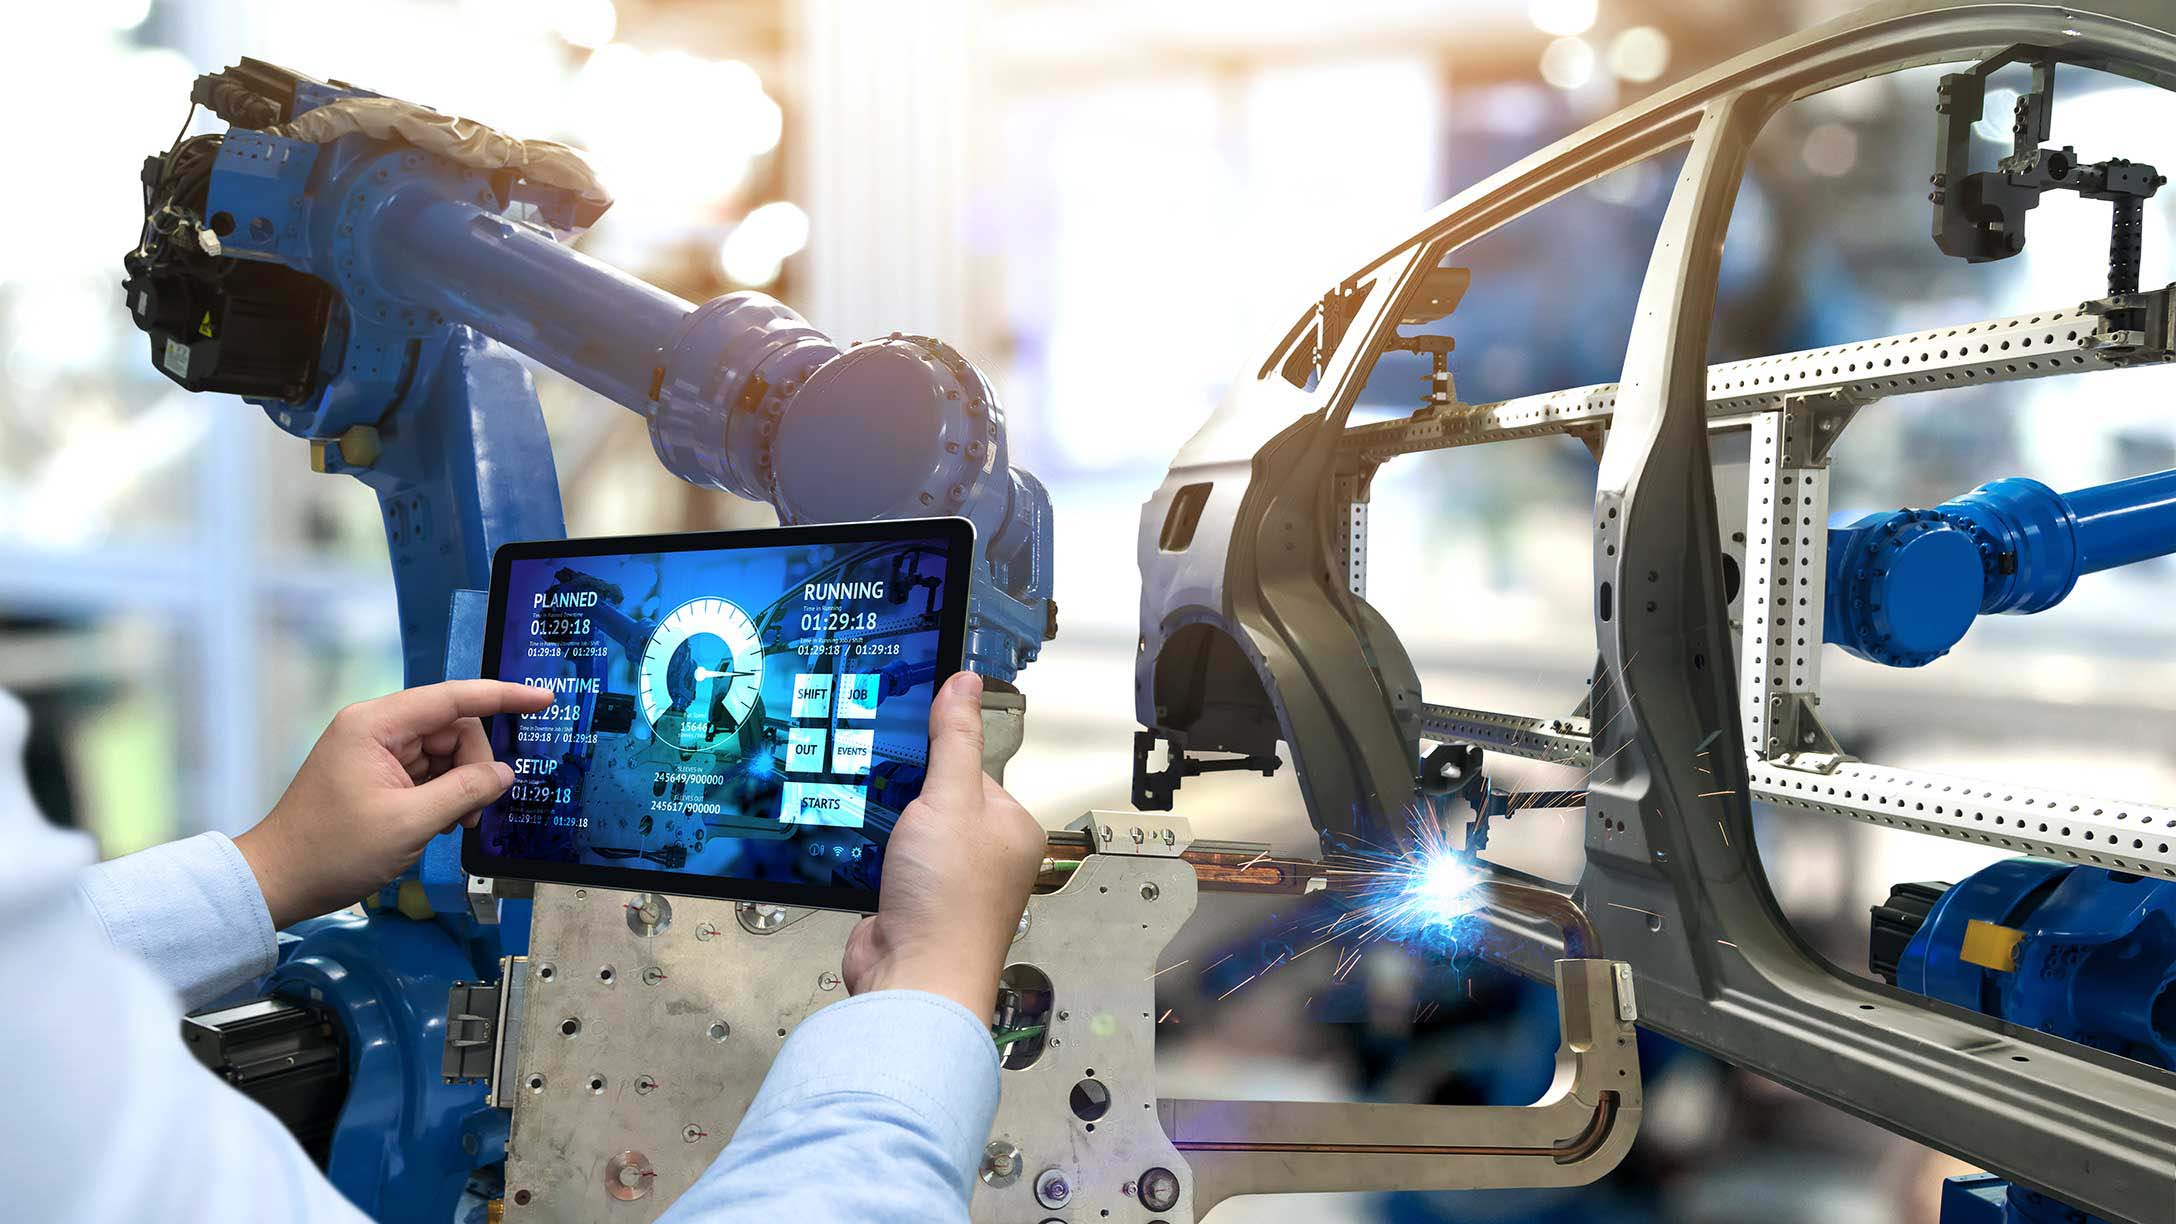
[(876, 1109), (190, 909)]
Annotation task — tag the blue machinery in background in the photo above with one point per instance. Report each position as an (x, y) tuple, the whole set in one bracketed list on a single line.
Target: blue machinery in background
[(346, 261), (2084, 953), (1905, 585)]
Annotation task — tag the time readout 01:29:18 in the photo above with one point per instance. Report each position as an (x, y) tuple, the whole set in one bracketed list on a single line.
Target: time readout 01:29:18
[(836, 620)]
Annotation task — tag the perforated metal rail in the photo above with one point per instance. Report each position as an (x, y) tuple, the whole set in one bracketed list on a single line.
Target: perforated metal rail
[(1784, 399), (2034, 345)]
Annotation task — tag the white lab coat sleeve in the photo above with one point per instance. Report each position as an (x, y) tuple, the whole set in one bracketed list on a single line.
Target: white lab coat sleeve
[(108, 1116)]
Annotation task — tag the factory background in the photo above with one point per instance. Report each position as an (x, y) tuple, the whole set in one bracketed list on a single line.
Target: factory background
[(1114, 207)]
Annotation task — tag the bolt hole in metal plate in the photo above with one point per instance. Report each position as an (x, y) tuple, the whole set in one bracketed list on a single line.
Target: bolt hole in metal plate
[(757, 986), (1090, 1100)]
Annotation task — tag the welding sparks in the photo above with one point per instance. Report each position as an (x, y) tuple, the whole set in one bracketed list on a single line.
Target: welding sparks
[(1168, 968), (1235, 990), (1424, 894)]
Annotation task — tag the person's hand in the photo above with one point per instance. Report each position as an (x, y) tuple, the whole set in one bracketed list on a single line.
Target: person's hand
[(957, 871), (386, 777)]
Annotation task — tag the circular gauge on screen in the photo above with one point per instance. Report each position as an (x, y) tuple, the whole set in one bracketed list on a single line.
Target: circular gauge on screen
[(702, 674)]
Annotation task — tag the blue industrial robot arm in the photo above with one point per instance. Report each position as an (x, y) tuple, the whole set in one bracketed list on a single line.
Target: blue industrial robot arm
[(742, 394), (429, 233), (1905, 585)]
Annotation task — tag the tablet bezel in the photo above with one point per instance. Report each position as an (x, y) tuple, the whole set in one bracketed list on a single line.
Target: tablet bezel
[(958, 537)]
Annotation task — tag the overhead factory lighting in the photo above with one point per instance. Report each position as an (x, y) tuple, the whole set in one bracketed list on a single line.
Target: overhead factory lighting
[(670, 172), (588, 24), (1563, 18), (757, 249), (119, 16), (1639, 55), (1567, 63)]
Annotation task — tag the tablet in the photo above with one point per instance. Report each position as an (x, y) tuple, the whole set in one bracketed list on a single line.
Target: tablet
[(738, 714)]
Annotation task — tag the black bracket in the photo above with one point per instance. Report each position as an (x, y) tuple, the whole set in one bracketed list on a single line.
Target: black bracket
[(1980, 215), (1438, 381), (1453, 773), (1153, 789), (472, 1033)]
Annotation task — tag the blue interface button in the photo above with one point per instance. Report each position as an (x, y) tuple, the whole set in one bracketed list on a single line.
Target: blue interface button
[(812, 695), (822, 803), (851, 750), (805, 750), (858, 693)]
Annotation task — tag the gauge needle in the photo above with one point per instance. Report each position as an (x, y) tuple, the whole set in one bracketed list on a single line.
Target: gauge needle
[(704, 673)]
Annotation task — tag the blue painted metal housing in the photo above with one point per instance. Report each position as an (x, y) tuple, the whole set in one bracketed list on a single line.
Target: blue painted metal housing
[(398, 1151), (2096, 963), (1975, 1198), (1983, 1198), (1905, 585)]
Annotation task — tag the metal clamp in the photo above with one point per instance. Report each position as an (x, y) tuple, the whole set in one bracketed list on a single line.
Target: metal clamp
[(1139, 833), (1576, 1133)]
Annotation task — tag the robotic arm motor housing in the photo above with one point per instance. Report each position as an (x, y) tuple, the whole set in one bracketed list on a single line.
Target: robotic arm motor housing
[(243, 328)]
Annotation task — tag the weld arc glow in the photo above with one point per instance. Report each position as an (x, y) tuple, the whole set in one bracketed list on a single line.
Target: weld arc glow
[(1422, 895)]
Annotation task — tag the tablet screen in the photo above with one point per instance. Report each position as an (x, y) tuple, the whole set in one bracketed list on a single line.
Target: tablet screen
[(745, 713)]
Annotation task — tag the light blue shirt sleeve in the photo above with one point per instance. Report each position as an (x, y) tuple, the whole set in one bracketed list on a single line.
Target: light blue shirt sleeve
[(877, 1108), (102, 1095), (189, 909)]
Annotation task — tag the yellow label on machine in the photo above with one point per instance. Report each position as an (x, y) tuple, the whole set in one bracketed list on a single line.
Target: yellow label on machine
[(204, 327), (1990, 946)]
